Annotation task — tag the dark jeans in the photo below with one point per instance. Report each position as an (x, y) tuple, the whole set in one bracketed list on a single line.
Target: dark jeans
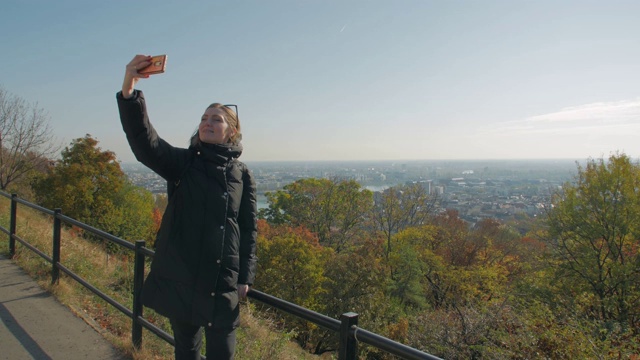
[(221, 343)]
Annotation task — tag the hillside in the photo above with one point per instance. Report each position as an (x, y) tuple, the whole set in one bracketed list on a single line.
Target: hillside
[(113, 274)]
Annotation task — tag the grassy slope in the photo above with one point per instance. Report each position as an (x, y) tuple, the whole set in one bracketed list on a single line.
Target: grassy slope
[(113, 274)]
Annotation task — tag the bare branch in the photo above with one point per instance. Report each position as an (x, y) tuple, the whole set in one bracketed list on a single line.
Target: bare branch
[(26, 143)]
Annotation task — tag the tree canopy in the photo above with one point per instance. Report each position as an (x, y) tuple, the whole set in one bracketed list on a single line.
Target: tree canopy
[(89, 186), (332, 209), (594, 231), (401, 207)]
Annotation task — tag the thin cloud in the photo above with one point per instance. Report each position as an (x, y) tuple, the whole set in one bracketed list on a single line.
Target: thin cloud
[(619, 111), (601, 118)]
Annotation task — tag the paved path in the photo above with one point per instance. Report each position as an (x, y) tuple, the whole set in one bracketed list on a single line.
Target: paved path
[(34, 325)]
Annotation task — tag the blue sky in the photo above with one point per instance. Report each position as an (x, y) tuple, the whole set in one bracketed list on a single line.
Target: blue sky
[(342, 80)]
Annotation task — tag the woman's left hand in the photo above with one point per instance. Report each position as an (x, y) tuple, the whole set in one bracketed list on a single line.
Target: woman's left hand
[(242, 290)]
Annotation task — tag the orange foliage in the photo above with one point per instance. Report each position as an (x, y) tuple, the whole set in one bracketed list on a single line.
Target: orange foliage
[(271, 231), (157, 219), (399, 331), (76, 231), (533, 244)]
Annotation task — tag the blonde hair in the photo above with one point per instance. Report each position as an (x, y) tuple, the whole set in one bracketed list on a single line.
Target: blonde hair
[(232, 120)]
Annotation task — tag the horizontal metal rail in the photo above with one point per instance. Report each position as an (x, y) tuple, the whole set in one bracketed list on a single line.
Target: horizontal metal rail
[(147, 252), (390, 346), (96, 291), (33, 206), (296, 310), (100, 233), (156, 330), (32, 248)]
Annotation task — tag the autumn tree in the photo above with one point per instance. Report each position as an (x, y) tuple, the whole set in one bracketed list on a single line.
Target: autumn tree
[(410, 263), (296, 267), (594, 231), (26, 143), (89, 186), (456, 283), (333, 209), (291, 267), (354, 282), (446, 264), (136, 215), (83, 182), (292, 262), (401, 207), (452, 238), (496, 243)]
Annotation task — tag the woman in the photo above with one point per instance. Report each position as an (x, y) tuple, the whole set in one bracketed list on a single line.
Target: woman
[(206, 246)]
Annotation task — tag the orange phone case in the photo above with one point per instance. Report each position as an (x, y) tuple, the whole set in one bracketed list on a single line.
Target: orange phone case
[(157, 66)]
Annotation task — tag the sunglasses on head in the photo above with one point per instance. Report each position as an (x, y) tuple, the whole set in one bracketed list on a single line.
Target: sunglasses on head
[(232, 107)]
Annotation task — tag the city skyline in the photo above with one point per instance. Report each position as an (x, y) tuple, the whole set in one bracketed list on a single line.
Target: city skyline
[(501, 190), (329, 80)]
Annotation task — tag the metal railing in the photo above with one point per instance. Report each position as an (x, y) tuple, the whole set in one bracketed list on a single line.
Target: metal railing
[(347, 327)]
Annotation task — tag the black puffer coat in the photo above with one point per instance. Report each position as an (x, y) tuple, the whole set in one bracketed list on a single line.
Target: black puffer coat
[(206, 245)]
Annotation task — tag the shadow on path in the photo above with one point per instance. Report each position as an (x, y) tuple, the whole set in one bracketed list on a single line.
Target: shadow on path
[(28, 343), (33, 324)]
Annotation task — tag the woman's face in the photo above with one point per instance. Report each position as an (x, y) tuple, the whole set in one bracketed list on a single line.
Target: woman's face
[(213, 128)]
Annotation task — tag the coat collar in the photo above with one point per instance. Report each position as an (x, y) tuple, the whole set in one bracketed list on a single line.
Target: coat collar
[(219, 154)]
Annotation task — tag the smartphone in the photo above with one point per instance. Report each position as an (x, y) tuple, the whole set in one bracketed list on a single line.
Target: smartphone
[(157, 66)]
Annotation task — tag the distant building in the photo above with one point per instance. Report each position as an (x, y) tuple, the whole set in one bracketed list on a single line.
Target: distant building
[(427, 186)]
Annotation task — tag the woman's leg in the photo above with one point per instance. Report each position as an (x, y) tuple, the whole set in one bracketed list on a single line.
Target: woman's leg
[(188, 340), (221, 344)]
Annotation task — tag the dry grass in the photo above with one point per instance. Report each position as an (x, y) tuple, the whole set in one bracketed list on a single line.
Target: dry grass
[(113, 275)]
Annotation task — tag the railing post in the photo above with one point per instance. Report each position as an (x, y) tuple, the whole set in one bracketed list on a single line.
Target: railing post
[(348, 344), (12, 226), (138, 281), (55, 270)]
